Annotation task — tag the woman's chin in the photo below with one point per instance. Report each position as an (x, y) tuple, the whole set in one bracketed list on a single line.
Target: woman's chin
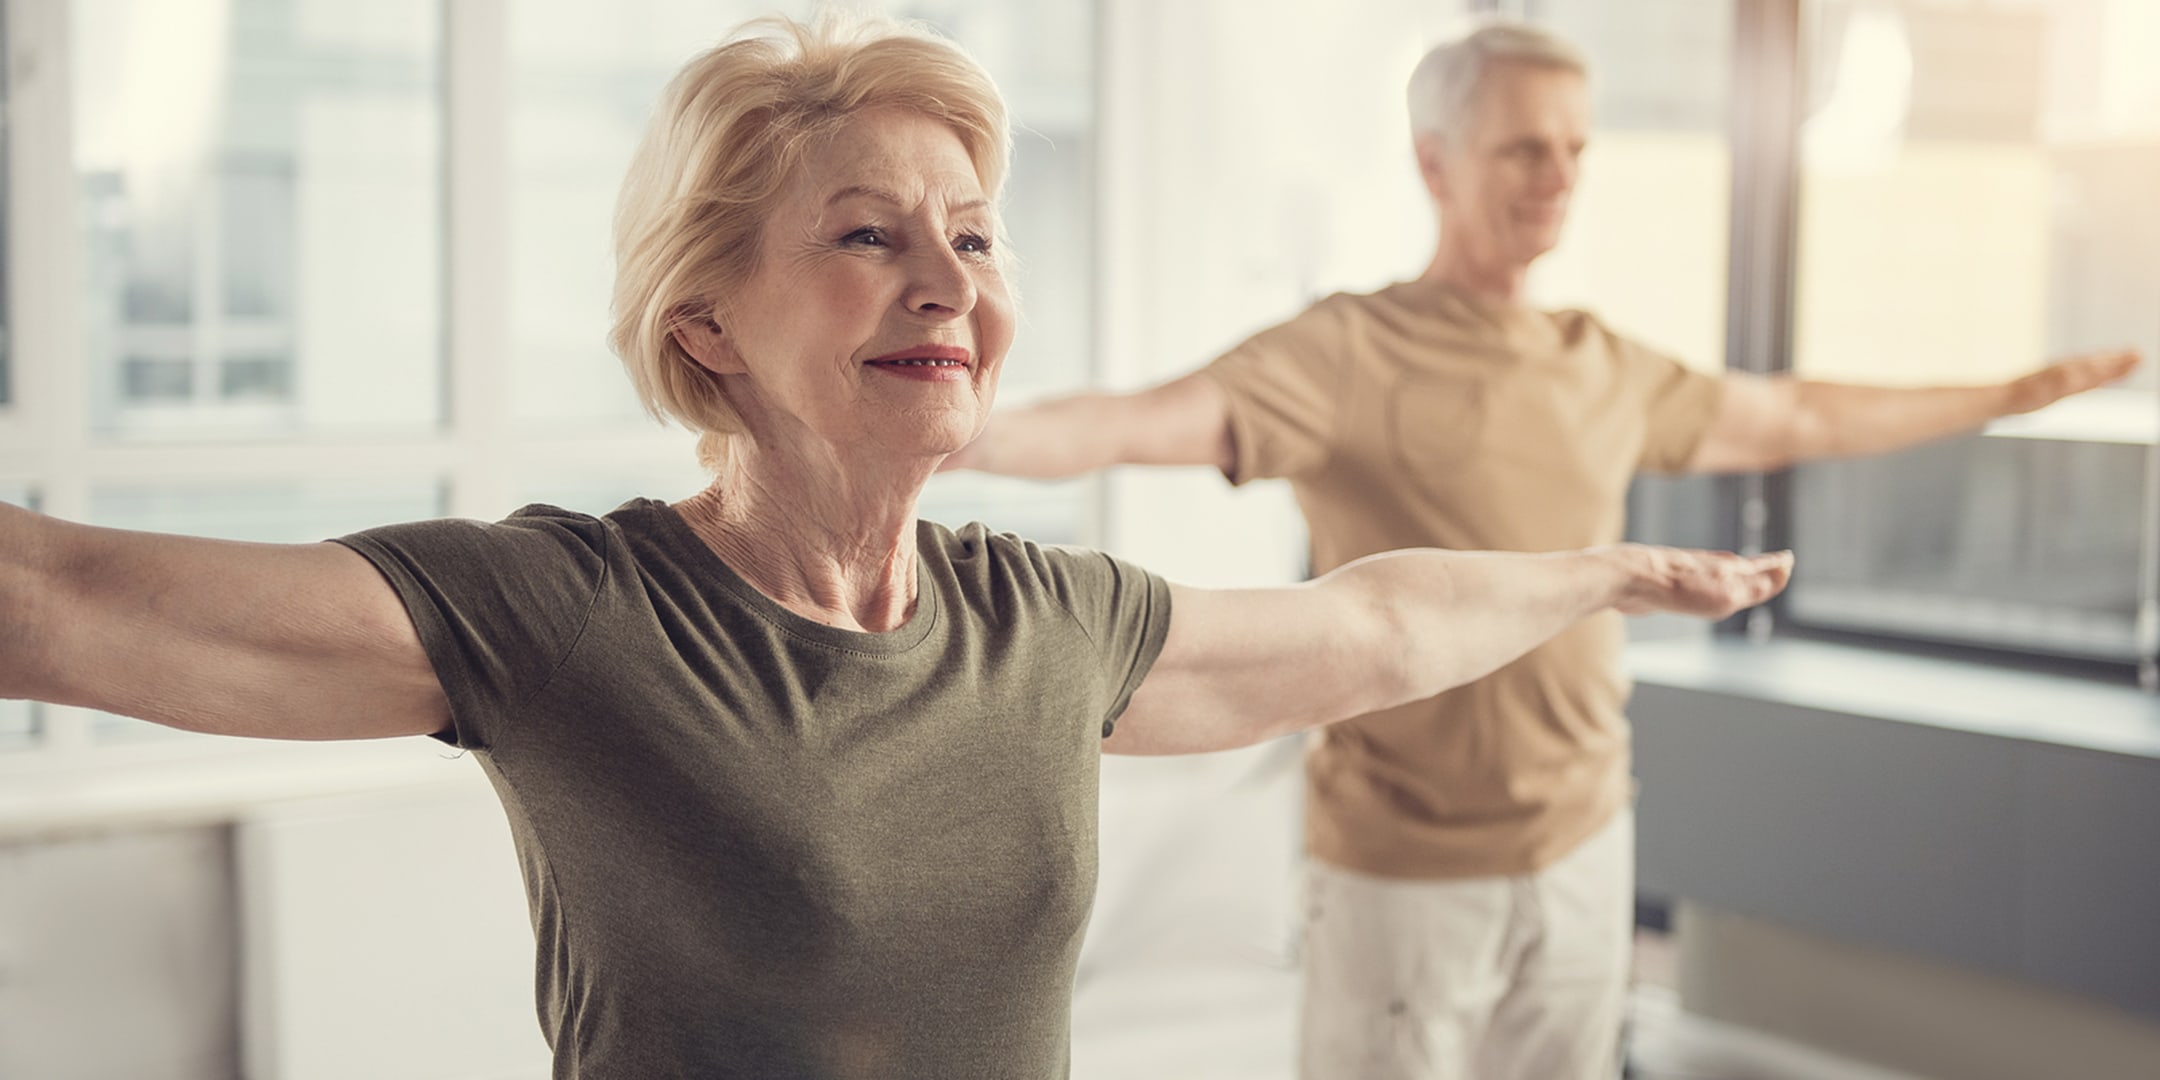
[(931, 442)]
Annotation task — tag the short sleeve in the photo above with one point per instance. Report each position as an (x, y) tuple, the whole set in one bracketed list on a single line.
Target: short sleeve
[(498, 606), (1679, 404), (1282, 385), (1123, 609)]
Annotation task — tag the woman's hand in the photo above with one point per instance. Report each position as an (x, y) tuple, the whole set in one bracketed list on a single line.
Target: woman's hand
[(1710, 584)]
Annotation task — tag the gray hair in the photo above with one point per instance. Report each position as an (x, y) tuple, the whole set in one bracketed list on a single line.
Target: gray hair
[(1443, 89)]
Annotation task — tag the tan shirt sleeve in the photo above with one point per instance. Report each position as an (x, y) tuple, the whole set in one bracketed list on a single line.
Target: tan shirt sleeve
[(1679, 404), (1283, 384)]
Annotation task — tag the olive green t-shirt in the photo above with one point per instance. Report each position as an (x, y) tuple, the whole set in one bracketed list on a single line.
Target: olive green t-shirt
[(759, 846), (1420, 416)]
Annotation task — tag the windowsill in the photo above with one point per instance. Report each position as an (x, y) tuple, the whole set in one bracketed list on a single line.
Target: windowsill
[(1958, 695), (213, 789)]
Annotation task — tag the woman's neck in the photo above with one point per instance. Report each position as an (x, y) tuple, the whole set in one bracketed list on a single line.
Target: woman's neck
[(836, 546)]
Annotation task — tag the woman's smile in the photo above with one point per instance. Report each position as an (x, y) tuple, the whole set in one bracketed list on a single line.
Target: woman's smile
[(926, 363)]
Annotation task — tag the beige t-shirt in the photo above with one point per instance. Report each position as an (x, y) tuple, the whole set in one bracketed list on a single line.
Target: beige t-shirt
[(1419, 416)]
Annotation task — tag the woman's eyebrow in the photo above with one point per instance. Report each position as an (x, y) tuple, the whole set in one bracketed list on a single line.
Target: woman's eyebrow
[(865, 191)]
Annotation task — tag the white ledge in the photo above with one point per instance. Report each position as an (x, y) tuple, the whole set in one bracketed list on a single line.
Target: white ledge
[(209, 783), (1958, 695)]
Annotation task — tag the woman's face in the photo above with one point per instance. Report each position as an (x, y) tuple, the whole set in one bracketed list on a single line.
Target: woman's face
[(878, 316)]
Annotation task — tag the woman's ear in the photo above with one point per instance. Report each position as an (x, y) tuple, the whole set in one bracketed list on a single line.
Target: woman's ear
[(697, 330)]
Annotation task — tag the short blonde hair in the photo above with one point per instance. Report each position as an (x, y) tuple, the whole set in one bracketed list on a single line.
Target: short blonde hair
[(729, 133), (1443, 90)]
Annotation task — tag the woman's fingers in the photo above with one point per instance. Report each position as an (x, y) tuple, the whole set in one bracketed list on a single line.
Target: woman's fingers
[(1723, 583)]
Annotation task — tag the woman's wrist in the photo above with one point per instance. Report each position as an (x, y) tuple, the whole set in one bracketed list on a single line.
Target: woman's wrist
[(1632, 577)]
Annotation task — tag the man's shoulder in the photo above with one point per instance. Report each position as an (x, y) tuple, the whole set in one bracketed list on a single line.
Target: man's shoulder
[(1584, 328)]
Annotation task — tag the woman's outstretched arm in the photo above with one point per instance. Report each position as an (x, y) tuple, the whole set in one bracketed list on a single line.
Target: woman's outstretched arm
[(1244, 665), (287, 641)]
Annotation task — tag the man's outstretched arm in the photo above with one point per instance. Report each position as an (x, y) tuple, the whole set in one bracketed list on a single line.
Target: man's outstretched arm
[(1182, 422), (1769, 423)]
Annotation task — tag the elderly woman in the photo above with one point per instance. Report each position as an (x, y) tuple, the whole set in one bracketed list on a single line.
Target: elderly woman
[(801, 786)]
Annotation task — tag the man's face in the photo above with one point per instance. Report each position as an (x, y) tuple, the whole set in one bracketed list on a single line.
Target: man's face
[(1503, 185)]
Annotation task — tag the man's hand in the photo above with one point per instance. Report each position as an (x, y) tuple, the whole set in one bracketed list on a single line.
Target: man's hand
[(1767, 423), (1711, 584), (2076, 375)]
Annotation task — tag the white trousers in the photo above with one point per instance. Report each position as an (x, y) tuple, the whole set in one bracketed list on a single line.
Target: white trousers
[(1506, 978)]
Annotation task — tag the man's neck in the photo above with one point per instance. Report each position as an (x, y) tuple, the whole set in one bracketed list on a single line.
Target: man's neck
[(1485, 278)]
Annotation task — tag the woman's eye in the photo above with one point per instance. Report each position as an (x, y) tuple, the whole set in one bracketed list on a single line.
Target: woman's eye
[(972, 244), (864, 238)]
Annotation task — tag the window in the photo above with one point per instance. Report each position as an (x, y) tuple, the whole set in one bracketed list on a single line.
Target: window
[(255, 269), (584, 77), (269, 330), (261, 195), (1976, 196)]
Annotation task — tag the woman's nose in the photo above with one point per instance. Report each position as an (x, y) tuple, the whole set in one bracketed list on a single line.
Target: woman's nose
[(939, 283)]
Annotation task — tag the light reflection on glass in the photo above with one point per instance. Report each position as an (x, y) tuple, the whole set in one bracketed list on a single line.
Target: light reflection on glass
[(260, 185)]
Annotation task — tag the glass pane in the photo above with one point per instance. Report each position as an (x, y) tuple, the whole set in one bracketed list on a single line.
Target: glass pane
[(584, 76), (1976, 198), (18, 719), (261, 184), (288, 513), (1650, 221)]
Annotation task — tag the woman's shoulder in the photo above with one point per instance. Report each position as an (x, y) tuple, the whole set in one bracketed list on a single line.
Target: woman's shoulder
[(538, 551), (526, 530), (977, 553), (977, 543)]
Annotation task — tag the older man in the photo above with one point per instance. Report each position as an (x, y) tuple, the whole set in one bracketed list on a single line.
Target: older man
[(1471, 878)]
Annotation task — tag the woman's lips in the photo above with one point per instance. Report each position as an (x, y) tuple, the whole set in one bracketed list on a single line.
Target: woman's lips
[(925, 361), (931, 362)]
